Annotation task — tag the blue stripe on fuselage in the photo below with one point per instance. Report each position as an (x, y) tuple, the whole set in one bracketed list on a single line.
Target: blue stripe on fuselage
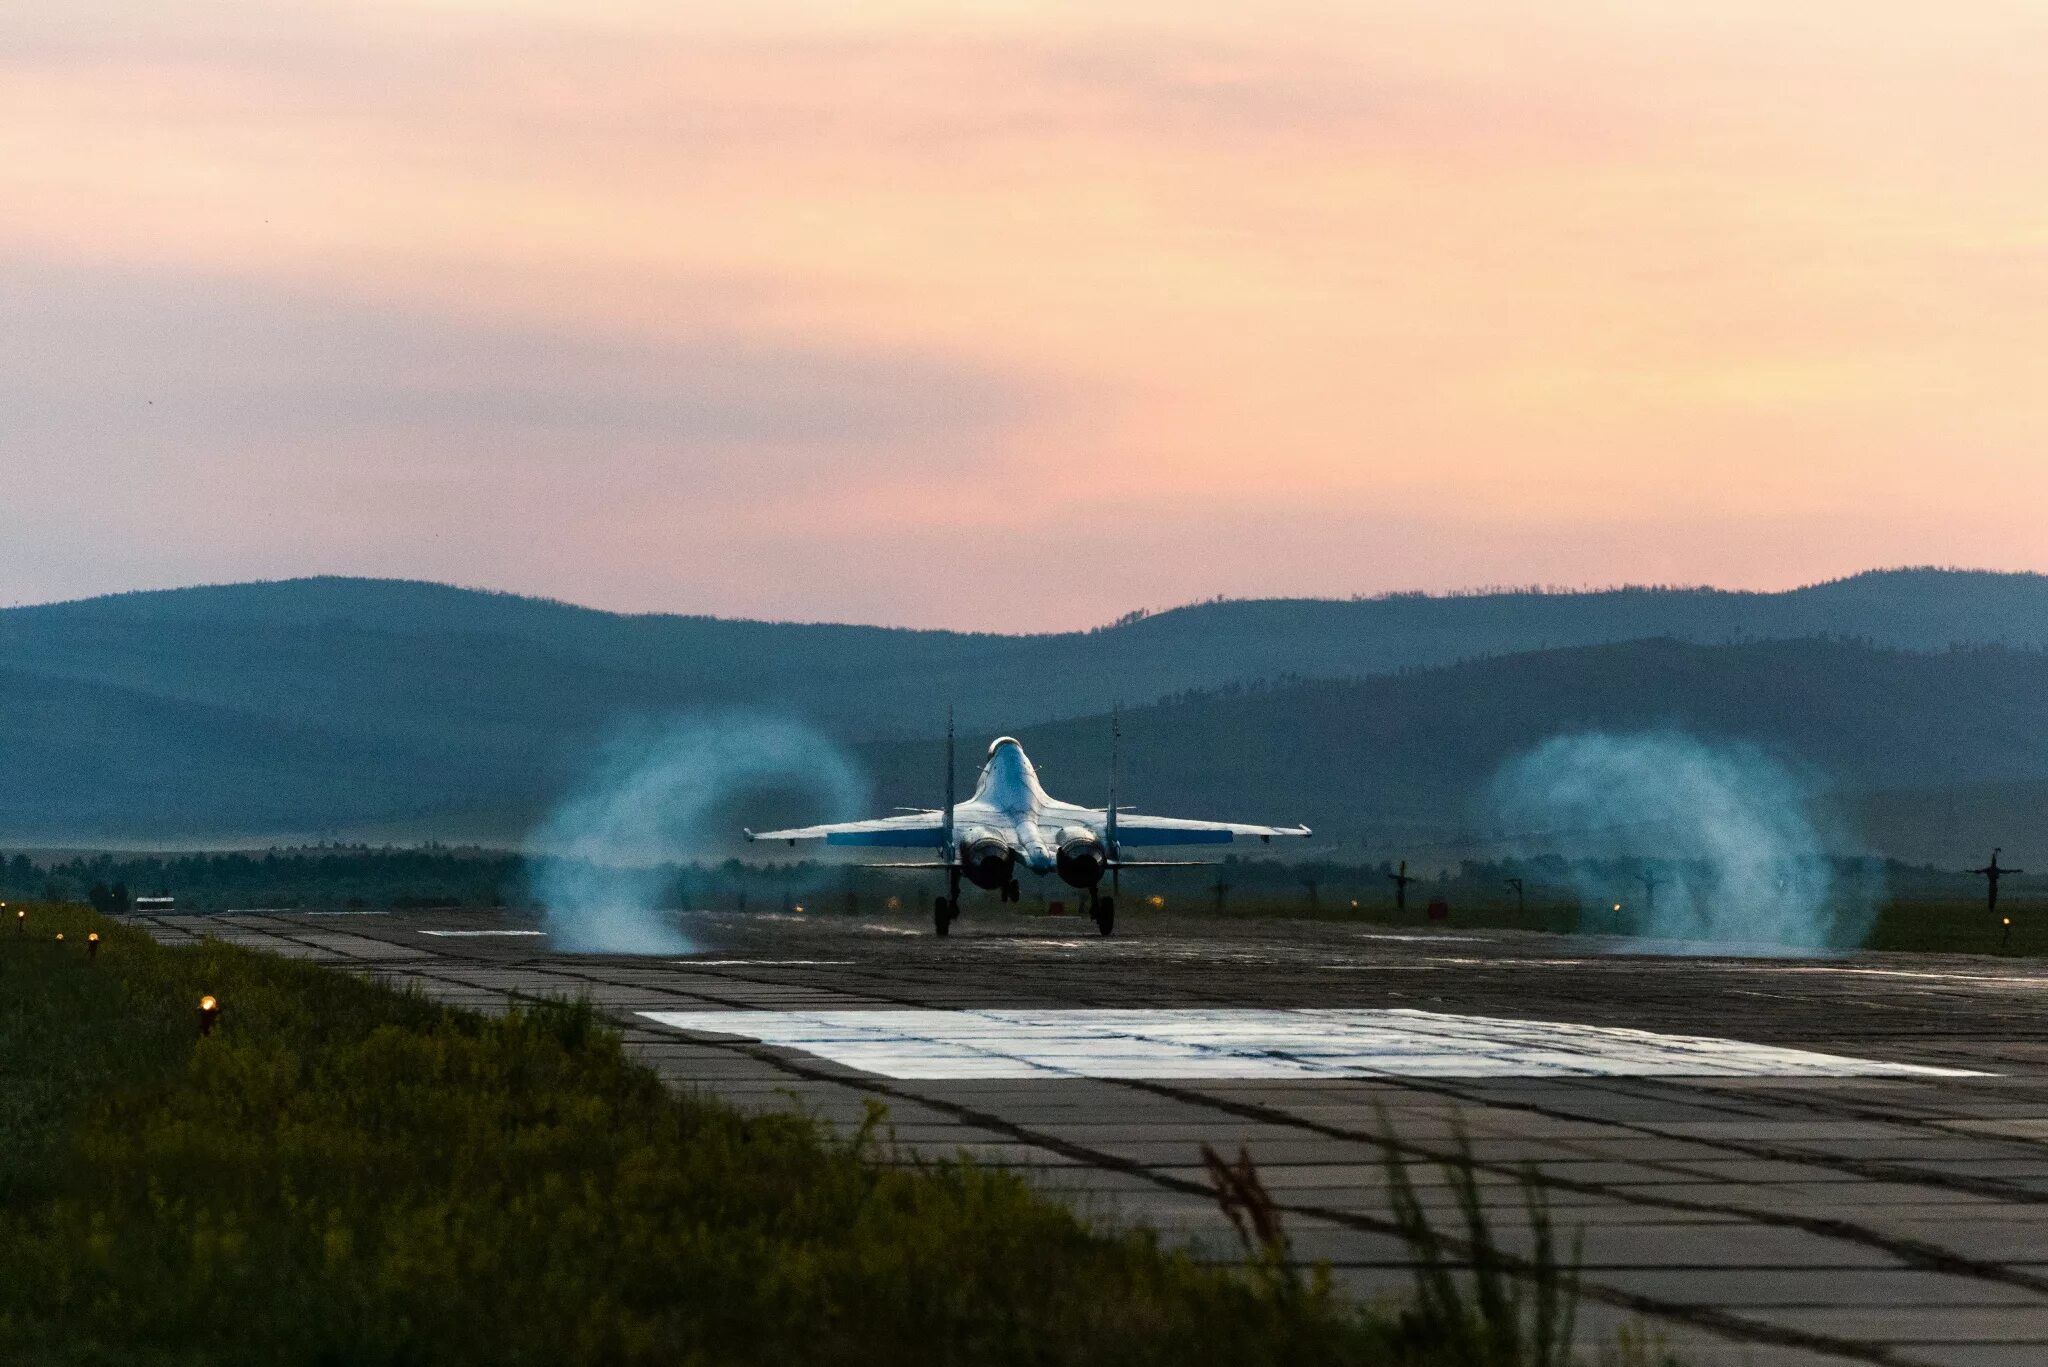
[(924, 839), (1139, 835)]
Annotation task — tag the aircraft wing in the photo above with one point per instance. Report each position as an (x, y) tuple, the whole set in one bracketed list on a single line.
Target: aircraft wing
[(1132, 829), (920, 830)]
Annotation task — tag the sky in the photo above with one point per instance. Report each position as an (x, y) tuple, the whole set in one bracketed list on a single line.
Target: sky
[(1015, 315)]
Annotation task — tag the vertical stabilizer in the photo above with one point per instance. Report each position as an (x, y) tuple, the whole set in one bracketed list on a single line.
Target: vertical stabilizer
[(1116, 735), (946, 831)]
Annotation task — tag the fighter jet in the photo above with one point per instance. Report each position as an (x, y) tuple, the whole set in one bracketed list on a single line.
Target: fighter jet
[(1013, 825)]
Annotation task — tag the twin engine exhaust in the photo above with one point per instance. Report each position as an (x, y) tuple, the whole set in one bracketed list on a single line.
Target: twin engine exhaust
[(1082, 858)]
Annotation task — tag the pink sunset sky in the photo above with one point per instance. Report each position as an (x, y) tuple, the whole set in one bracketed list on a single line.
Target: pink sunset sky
[(1018, 315)]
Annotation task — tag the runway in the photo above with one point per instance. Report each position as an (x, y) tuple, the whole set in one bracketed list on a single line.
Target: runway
[(1772, 1161)]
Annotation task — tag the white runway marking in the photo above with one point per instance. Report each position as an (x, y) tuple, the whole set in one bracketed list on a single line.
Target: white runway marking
[(759, 963), (454, 934), (1428, 939), (1993, 979), (1232, 1043)]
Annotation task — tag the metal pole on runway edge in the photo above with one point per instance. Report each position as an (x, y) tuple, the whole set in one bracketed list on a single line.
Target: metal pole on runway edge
[(1401, 881), (1991, 873)]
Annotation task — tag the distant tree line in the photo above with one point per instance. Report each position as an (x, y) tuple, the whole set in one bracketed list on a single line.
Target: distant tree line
[(344, 875), (434, 876)]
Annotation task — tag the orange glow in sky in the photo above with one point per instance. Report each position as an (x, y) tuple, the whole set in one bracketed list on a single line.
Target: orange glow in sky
[(1014, 315)]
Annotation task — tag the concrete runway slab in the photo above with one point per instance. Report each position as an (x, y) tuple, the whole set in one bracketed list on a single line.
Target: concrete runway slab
[(1239, 1043), (1773, 1161)]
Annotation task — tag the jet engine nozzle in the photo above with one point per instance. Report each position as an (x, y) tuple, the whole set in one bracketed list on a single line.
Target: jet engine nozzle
[(1082, 858), (987, 862)]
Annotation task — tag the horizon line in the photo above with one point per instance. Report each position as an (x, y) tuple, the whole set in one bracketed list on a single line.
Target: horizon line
[(1496, 590)]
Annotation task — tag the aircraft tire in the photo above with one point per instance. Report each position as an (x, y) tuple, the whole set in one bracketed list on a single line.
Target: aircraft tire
[(942, 916), (1011, 892), (1105, 915)]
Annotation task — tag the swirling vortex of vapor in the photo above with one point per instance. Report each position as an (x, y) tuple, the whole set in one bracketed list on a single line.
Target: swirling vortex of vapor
[(602, 860), (1743, 859)]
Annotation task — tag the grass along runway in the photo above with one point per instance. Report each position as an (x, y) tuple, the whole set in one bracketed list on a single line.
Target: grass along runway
[(343, 1172), (1757, 1219)]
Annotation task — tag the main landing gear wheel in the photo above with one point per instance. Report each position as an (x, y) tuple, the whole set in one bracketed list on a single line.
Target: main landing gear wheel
[(944, 912), (1105, 915), (1011, 892)]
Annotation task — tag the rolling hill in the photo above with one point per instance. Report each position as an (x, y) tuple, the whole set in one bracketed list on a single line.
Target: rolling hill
[(1373, 763), (334, 707)]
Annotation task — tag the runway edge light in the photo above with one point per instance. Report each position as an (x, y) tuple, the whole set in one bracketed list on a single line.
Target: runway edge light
[(92, 945), (209, 1011)]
